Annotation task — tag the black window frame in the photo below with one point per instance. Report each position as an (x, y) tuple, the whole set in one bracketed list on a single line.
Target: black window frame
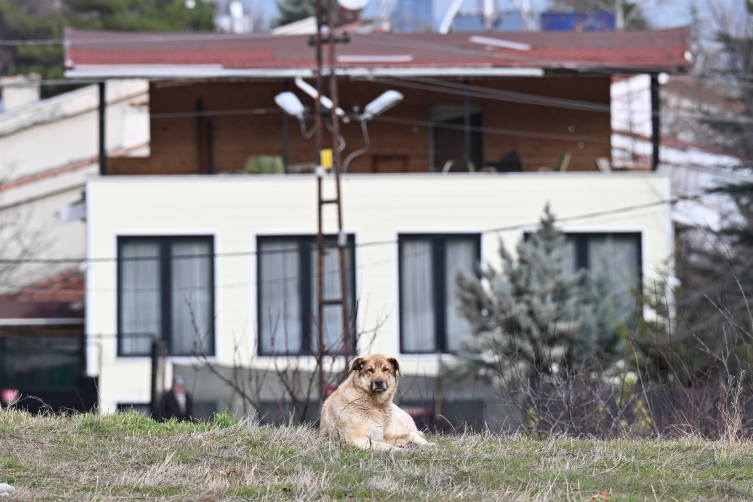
[(438, 264), (307, 247), (477, 112), (581, 248), (165, 242)]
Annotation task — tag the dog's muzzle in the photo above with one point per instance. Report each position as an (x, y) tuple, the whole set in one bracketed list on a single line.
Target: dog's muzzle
[(378, 385)]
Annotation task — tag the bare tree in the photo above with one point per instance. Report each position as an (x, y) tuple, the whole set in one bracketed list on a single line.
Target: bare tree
[(292, 374)]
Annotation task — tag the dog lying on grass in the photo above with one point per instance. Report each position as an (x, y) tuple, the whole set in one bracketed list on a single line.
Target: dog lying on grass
[(361, 412)]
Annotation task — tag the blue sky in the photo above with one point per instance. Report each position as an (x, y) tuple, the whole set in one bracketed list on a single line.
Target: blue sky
[(662, 13)]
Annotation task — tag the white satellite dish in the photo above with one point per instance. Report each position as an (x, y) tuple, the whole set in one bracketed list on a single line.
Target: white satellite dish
[(353, 4)]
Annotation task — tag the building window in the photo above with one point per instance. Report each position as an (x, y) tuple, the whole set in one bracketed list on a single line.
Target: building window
[(429, 321), (287, 299), (447, 138), (617, 254), (165, 289)]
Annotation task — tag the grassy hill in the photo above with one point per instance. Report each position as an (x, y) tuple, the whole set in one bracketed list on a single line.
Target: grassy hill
[(93, 457)]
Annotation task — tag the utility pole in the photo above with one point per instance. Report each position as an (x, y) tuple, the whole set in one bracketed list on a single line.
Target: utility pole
[(319, 234), (102, 122), (342, 240)]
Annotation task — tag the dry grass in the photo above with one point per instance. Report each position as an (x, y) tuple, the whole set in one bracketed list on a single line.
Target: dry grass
[(126, 456)]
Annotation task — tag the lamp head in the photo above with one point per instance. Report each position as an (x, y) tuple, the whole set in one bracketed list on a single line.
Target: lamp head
[(290, 103), (381, 104)]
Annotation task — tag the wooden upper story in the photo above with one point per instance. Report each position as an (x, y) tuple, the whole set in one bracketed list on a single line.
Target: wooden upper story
[(508, 101)]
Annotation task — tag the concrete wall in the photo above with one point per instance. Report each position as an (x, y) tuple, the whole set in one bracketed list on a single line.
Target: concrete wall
[(65, 129), (237, 209), (541, 134), (47, 149)]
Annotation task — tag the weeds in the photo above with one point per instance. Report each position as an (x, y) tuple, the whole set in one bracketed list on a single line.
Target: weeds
[(104, 457)]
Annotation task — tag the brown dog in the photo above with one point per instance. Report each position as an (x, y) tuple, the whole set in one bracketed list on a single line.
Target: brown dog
[(361, 412)]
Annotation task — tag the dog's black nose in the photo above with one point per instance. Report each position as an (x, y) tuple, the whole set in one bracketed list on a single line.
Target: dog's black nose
[(378, 383)]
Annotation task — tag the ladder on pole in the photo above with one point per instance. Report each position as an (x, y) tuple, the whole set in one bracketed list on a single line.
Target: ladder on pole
[(342, 240)]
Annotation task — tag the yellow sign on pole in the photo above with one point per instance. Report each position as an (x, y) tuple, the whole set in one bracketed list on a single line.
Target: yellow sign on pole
[(325, 158)]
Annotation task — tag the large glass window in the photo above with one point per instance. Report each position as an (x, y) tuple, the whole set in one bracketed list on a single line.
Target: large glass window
[(447, 138), (429, 321), (165, 290), (616, 254), (287, 296)]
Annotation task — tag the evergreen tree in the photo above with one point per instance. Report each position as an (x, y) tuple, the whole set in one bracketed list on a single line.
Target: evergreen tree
[(295, 10), (45, 19), (24, 20), (532, 317), (141, 15), (711, 330)]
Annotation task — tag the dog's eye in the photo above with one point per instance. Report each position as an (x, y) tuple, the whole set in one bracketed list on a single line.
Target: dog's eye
[(386, 370), (370, 370)]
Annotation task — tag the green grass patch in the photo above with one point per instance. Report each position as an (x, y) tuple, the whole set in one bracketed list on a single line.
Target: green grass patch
[(126, 455)]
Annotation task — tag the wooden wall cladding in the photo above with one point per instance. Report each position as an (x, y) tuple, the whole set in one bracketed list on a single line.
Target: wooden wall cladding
[(539, 133)]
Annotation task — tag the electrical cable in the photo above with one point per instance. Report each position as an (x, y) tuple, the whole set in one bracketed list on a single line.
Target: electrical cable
[(355, 245), (307, 135), (492, 130), (340, 139), (500, 94), (360, 151), (433, 85), (214, 113)]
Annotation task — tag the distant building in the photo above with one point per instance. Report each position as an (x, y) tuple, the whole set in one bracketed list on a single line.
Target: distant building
[(577, 21), (201, 254), (413, 16), (48, 147)]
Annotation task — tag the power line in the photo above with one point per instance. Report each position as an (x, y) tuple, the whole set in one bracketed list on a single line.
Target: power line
[(135, 38), (503, 95), (38, 41), (492, 130), (214, 113), (240, 254), (433, 85)]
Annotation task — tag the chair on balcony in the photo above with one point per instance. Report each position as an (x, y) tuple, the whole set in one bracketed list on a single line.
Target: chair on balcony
[(562, 164), (265, 164), (508, 163)]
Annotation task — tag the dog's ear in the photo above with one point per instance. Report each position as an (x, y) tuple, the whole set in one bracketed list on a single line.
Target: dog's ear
[(357, 364), (395, 365)]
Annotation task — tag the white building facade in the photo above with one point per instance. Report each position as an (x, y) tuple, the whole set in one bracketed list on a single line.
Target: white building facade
[(230, 257), (49, 147)]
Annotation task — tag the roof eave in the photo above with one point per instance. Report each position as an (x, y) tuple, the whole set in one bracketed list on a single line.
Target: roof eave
[(201, 72)]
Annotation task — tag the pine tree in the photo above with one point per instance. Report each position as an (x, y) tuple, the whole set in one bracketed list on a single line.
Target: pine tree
[(295, 10), (45, 19), (532, 317)]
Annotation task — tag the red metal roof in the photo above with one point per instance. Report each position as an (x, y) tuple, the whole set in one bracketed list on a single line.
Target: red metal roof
[(67, 287), (658, 50), (59, 299)]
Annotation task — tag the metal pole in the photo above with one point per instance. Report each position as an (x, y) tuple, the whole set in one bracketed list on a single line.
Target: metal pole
[(342, 240), (285, 134), (102, 138), (655, 123), (319, 234), (467, 126), (155, 369)]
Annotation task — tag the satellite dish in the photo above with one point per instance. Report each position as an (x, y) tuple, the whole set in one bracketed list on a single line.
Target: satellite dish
[(353, 4)]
